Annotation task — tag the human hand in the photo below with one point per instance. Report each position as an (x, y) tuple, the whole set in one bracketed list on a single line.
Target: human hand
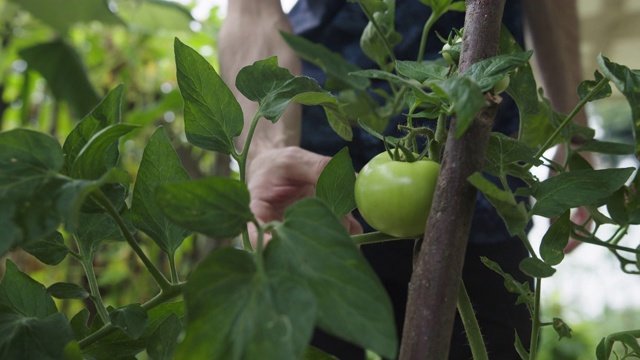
[(277, 178)]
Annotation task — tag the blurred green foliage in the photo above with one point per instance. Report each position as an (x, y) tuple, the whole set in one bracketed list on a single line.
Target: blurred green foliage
[(58, 58)]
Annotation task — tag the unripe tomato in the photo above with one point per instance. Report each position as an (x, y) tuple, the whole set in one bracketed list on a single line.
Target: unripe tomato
[(394, 197), (501, 85)]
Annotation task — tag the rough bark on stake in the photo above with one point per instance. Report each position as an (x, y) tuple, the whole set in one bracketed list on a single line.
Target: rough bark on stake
[(436, 276)]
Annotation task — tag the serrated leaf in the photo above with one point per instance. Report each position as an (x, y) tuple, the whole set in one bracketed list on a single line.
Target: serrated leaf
[(422, 71), (105, 114), (160, 165), (556, 239), (96, 159), (465, 97), (62, 290), (237, 312), (132, 319), (212, 114), (93, 229), (26, 337), (163, 341), (488, 72), (23, 295), (217, 207), (333, 64), (336, 184), (312, 244), (513, 214), (51, 250), (525, 295), (536, 268), (572, 189), (504, 151), (274, 88), (628, 82), (587, 86)]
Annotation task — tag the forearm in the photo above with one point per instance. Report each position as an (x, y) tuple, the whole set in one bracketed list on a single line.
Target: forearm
[(553, 32), (250, 33)]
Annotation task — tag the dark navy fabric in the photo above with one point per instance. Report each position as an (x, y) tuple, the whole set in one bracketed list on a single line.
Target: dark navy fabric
[(338, 25)]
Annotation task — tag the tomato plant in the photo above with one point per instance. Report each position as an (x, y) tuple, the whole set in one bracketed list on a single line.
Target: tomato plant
[(394, 197)]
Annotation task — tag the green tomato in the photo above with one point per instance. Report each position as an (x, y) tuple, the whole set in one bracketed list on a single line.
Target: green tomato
[(501, 85), (395, 197)]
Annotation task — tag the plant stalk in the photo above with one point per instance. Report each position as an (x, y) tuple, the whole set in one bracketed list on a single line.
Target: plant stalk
[(535, 328), (153, 270)]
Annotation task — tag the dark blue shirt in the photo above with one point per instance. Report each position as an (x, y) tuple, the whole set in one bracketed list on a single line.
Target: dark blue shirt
[(338, 25)]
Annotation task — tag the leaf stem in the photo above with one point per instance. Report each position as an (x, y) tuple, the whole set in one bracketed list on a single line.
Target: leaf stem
[(373, 237), (373, 21), (244, 155), (165, 294), (535, 327), (153, 270), (471, 327), (568, 119), (425, 34), (174, 271), (96, 297)]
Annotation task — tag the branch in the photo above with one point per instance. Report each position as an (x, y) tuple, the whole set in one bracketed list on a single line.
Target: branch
[(435, 281)]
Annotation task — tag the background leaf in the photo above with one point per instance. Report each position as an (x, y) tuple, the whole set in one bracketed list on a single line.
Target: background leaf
[(536, 268), (556, 239), (163, 341), (212, 115), (312, 244), (51, 250), (265, 317), (217, 207), (62, 290), (572, 189), (336, 184), (23, 295), (66, 75), (132, 319), (160, 165)]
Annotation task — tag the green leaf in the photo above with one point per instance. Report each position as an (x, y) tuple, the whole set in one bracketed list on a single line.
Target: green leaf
[(437, 6), (60, 14), (218, 207), (556, 239), (51, 250), (536, 268), (334, 111), (514, 214), (93, 229), (525, 295), (524, 354), (564, 330), (66, 74), (62, 290), (422, 71), (79, 323), (488, 72), (97, 157), (158, 16), (312, 244), (23, 295), (119, 345), (336, 184), (238, 312), (607, 147), (212, 114), (274, 88), (313, 353), (31, 338), (132, 319), (466, 98), (333, 64), (163, 341), (377, 40), (505, 153), (572, 189), (105, 114), (587, 86), (628, 82), (160, 165)]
